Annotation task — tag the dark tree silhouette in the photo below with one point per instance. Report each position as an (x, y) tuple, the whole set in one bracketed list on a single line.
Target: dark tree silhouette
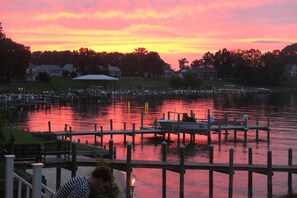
[(14, 58)]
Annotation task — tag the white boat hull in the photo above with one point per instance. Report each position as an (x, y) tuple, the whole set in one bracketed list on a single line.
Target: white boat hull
[(174, 125)]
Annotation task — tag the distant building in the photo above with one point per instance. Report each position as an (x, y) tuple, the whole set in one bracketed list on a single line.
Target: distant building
[(290, 71), (206, 73), (168, 72), (52, 70), (114, 71), (68, 68)]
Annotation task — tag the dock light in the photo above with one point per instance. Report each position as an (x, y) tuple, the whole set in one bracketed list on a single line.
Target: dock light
[(133, 181)]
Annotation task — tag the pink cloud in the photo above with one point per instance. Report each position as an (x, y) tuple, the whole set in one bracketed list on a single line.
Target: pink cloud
[(174, 28)]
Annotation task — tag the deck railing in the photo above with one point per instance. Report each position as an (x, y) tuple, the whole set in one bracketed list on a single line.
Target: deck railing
[(35, 190)]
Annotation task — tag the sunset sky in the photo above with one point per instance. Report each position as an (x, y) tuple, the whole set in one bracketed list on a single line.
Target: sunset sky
[(174, 28)]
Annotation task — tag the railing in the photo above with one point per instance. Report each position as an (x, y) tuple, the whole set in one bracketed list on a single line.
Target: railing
[(36, 189)]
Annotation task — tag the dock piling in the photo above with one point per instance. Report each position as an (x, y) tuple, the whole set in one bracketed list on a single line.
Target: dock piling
[(290, 163), (250, 173), (164, 148), (231, 171), (269, 173), (182, 171), (210, 172)]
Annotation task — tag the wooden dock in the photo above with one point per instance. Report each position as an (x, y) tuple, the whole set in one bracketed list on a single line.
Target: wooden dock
[(230, 168), (155, 130)]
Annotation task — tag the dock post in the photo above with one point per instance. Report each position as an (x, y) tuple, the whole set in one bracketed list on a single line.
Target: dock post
[(250, 173), (101, 132), (235, 131), (70, 133), (220, 131), (65, 128), (209, 128), (37, 179), (257, 130), (128, 171), (245, 127), (178, 129), (182, 171), (269, 173), (95, 136), (290, 163), (231, 171), (73, 164), (9, 168), (111, 128), (58, 178), (268, 129), (125, 133), (156, 125), (110, 150), (210, 173), (168, 115), (133, 134), (164, 146), (141, 123), (49, 126), (163, 116)]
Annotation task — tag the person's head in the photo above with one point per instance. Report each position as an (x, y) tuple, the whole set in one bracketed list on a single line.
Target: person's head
[(100, 177)]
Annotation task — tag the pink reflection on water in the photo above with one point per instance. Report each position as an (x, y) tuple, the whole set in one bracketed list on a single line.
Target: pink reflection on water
[(84, 117)]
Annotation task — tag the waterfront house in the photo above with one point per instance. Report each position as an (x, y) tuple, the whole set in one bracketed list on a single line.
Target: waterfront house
[(206, 73), (168, 72), (114, 71), (52, 70), (290, 71)]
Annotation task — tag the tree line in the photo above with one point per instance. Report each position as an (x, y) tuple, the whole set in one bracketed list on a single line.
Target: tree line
[(246, 67), (140, 62)]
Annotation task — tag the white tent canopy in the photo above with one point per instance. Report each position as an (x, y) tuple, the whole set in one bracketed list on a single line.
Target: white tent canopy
[(95, 77)]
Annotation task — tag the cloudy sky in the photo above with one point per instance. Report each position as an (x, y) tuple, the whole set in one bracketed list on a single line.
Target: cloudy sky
[(174, 28)]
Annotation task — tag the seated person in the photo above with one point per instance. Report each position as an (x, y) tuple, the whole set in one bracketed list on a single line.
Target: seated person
[(186, 118)]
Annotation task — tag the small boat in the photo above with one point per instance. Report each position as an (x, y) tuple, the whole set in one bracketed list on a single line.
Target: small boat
[(187, 124), (183, 125)]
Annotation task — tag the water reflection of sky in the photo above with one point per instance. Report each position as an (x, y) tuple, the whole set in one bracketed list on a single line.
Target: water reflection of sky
[(282, 112)]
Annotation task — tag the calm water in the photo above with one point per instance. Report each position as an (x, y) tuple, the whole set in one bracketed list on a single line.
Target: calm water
[(280, 108)]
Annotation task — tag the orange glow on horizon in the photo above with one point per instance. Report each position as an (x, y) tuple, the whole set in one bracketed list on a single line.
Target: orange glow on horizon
[(174, 29)]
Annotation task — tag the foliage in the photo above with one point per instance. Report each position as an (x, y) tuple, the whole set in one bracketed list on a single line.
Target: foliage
[(110, 191), (2, 136), (183, 63), (44, 77), (289, 54), (189, 80), (250, 67), (141, 62), (176, 82), (14, 58)]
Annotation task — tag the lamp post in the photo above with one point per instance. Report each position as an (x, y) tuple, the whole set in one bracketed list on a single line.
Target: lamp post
[(133, 181)]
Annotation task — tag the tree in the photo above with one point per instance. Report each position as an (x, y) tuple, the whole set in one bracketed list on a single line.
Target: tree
[(140, 51), (2, 35), (197, 63), (289, 54), (44, 77), (88, 61), (223, 63), (183, 63), (153, 64), (273, 69), (14, 59)]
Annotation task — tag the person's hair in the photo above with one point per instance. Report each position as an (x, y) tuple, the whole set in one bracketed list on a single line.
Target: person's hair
[(103, 172)]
